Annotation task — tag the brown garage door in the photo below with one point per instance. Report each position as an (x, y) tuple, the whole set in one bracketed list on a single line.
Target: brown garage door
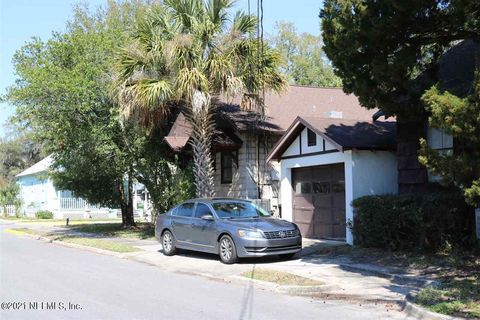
[(319, 201)]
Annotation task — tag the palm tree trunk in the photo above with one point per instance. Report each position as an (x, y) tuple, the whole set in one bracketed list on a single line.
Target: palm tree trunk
[(203, 124)]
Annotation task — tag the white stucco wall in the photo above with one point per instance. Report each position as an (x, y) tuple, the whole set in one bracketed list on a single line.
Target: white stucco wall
[(374, 172), (300, 145), (316, 148), (366, 172), (293, 148)]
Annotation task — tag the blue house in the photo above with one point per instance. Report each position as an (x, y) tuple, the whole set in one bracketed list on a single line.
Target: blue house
[(37, 192)]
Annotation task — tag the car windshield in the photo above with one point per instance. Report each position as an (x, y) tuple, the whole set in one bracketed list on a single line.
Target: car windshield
[(238, 209)]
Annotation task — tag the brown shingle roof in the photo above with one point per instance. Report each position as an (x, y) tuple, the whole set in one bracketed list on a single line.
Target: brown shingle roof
[(313, 102), (281, 111)]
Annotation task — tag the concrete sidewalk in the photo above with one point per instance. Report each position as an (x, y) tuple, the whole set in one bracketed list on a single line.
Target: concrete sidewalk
[(342, 279)]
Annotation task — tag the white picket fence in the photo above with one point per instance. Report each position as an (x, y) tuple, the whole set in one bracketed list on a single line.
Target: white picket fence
[(77, 204)]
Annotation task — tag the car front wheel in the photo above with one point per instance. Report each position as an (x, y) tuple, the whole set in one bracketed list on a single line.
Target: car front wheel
[(227, 251), (168, 244)]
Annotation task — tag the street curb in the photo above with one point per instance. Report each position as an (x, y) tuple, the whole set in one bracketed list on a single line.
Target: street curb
[(322, 292), (422, 282), (307, 251), (414, 310)]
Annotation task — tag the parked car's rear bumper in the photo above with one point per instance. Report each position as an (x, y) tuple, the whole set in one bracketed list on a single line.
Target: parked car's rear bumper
[(267, 247)]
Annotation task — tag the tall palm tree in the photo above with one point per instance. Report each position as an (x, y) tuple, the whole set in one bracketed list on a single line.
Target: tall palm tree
[(183, 53)]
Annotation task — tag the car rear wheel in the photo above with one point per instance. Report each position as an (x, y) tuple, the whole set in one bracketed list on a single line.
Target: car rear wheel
[(227, 251), (168, 244)]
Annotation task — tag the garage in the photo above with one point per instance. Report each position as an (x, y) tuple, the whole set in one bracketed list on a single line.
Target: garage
[(327, 163), (319, 201)]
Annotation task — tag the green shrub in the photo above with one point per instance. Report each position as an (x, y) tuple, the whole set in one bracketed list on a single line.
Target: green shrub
[(44, 214), (429, 296), (428, 222)]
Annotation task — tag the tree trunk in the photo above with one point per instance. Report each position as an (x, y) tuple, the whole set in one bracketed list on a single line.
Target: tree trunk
[(126, 204), (203, 126), (129, 220)]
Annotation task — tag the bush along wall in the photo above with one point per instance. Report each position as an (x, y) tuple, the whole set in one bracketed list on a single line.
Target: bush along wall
[(44, 214), (428, 222)]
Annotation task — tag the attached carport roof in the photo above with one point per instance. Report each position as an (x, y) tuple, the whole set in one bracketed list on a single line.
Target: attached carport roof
[(344, 134)]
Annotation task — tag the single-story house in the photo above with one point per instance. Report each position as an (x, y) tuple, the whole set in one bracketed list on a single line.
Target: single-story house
[(314, 151), (37, 192)]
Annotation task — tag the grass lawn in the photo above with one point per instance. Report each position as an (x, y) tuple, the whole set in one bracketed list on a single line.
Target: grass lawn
[(90, 242), (279, 277), (100, 244), (56, 221), (457, 297), (29, 219), (458, 273), (142, 230)]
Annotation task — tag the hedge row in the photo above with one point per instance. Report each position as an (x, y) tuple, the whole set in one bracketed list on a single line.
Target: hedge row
[(44, 214), (427, 222)]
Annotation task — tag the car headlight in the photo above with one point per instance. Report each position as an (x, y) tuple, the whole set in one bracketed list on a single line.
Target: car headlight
[(252, 234), (297, 230)]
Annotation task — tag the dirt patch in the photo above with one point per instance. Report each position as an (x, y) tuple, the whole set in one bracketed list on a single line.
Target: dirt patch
[(280, 277)]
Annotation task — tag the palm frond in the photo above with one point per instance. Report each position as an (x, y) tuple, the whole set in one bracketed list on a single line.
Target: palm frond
[(130, 59), (243, 24), (152, 93), (217, 11), (188, 13), (145, 98), (219, 67), (182, 51), (189, 80)]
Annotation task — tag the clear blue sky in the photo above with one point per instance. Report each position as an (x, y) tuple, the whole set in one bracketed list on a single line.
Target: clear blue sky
[(22, 19)]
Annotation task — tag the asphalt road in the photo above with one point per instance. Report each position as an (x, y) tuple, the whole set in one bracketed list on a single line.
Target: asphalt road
[(78, 284)]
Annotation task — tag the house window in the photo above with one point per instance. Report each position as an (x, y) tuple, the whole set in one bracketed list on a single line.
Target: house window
[(338, 186), (66, 194), (439, 140), (321, 187), (442, 142), (303, 188), (226, 163), (311, 138)]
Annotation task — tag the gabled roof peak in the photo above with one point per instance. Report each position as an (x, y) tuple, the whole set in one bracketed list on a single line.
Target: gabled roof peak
[(39, 167)]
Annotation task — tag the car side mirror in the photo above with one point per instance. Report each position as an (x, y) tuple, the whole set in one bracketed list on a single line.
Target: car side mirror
[(208, 217)]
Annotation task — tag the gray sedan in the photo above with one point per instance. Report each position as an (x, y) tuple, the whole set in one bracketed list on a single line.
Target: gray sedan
[(232, 228)]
